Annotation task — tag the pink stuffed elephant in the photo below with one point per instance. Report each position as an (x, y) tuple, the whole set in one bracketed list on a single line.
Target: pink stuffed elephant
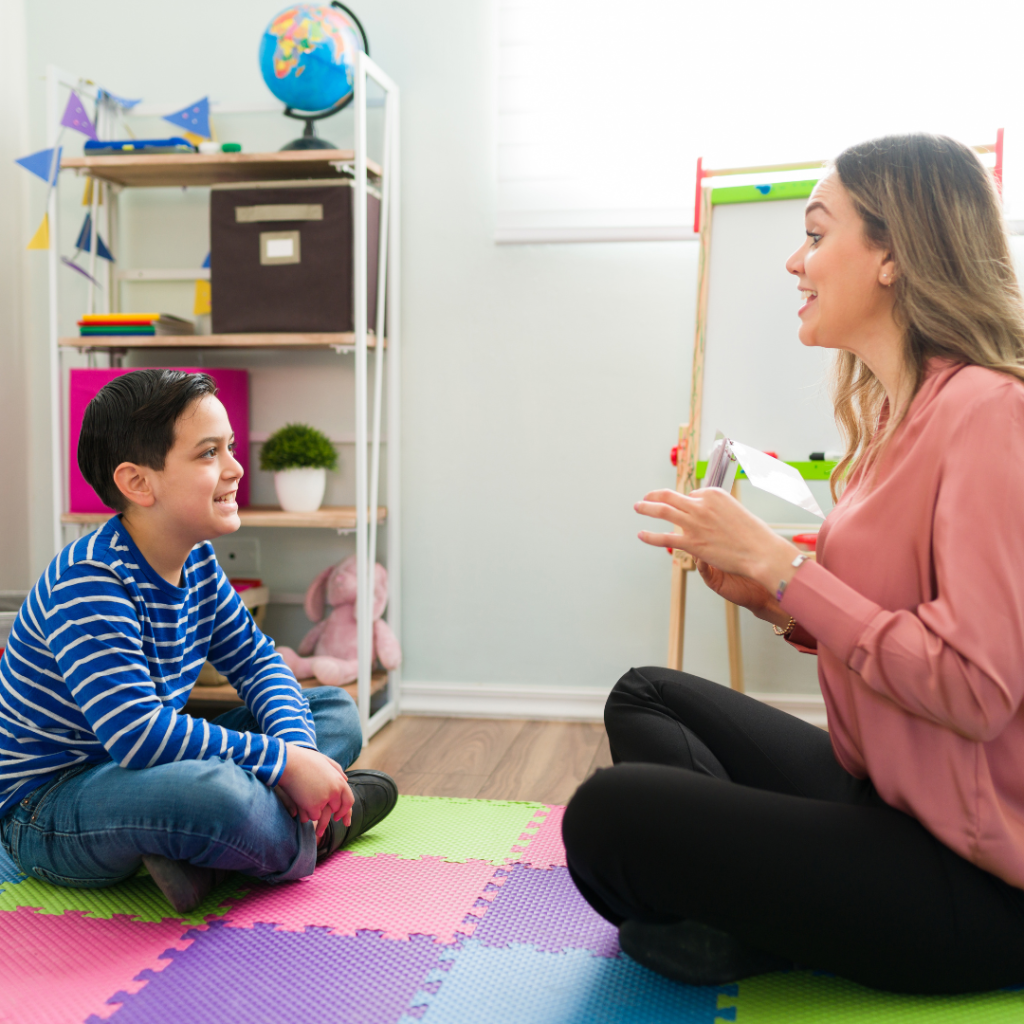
[(332, 641)]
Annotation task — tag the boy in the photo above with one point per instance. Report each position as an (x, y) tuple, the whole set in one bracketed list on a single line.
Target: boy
[(99, 769)]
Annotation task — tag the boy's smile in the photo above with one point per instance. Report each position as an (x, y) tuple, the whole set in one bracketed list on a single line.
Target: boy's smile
[(197, 487)]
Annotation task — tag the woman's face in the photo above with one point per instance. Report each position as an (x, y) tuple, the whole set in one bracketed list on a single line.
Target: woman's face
[(844, 282)]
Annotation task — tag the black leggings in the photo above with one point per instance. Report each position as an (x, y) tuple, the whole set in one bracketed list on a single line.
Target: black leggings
[(723, 810)]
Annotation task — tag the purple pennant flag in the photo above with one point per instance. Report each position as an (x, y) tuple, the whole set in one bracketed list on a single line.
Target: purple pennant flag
[(194, 118), (76, 117), (71, 265)]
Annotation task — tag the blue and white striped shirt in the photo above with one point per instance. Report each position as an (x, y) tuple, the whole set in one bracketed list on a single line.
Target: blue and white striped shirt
[(104, 653)]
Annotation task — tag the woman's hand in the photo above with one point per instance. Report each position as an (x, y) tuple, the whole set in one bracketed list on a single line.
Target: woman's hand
[(739, 590), (744, 592), (718, 530)]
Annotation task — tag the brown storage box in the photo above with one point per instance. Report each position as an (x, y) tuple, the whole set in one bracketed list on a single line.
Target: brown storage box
[(281, 257)]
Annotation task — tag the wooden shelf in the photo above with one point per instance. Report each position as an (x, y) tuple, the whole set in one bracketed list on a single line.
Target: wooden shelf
[(287, 341), (335, 517), (197, 169), (226, 694)]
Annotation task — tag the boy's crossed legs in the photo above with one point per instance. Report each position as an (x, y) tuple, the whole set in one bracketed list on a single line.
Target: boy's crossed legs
[(91, 825)]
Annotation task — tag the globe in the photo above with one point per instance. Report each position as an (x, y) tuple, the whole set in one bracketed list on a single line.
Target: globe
[(307, 56)]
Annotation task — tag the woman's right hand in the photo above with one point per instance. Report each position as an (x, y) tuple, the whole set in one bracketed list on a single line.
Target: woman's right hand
[(743, 591)]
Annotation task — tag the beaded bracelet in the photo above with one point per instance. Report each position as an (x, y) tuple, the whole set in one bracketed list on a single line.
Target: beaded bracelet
[(787, 630)]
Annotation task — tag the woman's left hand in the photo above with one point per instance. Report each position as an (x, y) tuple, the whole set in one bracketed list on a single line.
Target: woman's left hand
[(718, 530)]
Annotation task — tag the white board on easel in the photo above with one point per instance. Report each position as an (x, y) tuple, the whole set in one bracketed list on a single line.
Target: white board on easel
[(761, 385)]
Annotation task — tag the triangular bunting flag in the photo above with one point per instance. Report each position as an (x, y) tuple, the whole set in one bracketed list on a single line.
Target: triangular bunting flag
[(87, 193), (120, 100), (201, 306), (194, 118), (42, 163), (41, 239), (79, 270), (84, 241), (206, 262), (76, 117)]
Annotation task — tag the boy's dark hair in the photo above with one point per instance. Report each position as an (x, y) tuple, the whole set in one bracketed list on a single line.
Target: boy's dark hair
[(132, 419)]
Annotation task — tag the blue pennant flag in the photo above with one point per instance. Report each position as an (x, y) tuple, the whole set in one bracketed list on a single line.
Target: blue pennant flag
[(40, 163), (119, 100), (84, 241), (194, 118), (206, 262)]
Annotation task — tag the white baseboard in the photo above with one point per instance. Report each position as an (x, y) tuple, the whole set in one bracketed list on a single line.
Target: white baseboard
[(499, 700), (567, 703)]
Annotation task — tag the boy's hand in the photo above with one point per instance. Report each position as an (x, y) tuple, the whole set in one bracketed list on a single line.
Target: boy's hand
[(314, 788)]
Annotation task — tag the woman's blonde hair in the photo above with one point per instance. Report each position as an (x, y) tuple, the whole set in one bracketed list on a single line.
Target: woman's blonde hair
[(928, 201)]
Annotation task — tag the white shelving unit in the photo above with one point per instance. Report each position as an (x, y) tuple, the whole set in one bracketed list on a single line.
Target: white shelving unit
[(111, 175)]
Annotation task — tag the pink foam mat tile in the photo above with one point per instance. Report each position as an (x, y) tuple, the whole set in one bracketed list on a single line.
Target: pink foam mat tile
[(545, 849), (396, 897), (62, 969)]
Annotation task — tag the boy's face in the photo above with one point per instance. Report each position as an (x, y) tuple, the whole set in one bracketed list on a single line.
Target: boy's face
[(196, 491)]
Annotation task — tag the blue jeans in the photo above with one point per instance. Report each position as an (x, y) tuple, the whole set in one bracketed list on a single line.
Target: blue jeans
[(90, 826)]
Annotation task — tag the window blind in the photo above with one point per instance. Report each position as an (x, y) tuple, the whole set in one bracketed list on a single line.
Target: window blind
[(604, 108)]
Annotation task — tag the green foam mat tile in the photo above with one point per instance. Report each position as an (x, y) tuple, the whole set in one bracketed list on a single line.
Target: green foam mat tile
[(138, 898), (432, 826), (802, 997)]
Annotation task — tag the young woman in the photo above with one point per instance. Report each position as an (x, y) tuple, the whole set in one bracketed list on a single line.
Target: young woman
[(731, 838)]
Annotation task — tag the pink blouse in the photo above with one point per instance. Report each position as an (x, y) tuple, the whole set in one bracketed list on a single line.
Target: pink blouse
[(916, 604)]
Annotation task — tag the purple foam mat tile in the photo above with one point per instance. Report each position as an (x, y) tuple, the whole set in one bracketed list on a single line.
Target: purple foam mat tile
[(543, 908), (262, 976)]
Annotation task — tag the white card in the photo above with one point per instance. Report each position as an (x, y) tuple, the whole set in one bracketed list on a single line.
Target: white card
[(775, 477)]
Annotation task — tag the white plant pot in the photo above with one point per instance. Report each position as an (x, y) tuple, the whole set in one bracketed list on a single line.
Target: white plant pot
[(300, 490)]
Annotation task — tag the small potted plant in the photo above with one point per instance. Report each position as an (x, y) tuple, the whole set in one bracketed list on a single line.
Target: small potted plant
[(299, 456)]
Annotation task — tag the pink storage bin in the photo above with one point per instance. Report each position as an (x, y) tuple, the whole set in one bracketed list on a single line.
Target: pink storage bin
[(232, 390)]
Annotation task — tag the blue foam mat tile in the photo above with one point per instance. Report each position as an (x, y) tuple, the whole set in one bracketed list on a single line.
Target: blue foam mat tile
[(8, 869), (519, 984)]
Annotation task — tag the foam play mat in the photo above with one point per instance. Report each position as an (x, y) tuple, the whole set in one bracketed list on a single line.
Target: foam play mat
[(450, 912)]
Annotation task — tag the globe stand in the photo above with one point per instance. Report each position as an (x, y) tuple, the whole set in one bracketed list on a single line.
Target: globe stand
[(309, 138)]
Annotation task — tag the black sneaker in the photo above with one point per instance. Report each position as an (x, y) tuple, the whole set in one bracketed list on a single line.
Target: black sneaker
[(185, 885), (695, 953), (376, 795)]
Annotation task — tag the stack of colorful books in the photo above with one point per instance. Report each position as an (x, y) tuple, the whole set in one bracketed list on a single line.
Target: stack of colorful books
[(133, 324)]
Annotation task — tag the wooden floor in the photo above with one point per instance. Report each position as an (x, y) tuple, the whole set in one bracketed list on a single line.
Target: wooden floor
[(494, 759)]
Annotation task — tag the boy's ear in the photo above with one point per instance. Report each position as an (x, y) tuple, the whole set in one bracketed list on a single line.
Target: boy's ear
[(134, 483)]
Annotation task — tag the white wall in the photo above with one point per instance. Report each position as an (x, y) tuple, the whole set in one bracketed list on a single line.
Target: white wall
[(542, 384)]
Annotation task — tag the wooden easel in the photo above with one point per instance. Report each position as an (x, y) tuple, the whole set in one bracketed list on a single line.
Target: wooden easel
[(689, 433), (686, 460)]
